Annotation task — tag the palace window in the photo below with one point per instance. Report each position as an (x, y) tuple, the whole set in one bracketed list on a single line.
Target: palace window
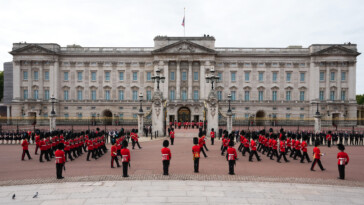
[(172, 77), (79, 95), (233, 76), (79, 76), (288, 95), (65, 76), (25, 75), (288, 116), (46, 75), (195, 76), (247, 76), (247, 95), (322, 95), (135, 95), (65, 95), (135, 76), (107, 94), (288, 77), (274, 96), (93, 94), (302, 116), (332, 76), (219, 95), (121, 76), (322, 76), (35, 94), (35, 75), (184, 95), (195, 94), (184, 76), (274, 76), (302, 77), (220, 76), (149, 95), (149, 76), (121, 94), (302, 95), (93, 76), (233, 95), (171, 95), (66, 115), (261, 75), (343, 76), (46, 94), (260, 96), (343, 95), (107, 76), (79, 115), (25, 94), (332, 95)]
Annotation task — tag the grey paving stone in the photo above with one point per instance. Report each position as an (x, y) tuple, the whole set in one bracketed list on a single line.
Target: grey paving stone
[(226, 200), (206, 193), (132, 199), (62, 202), (108, 200), (129, 193), (167, 193), (189, 199)]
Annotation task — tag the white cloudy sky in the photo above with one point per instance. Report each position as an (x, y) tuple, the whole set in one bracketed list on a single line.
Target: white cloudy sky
[(254, 23)]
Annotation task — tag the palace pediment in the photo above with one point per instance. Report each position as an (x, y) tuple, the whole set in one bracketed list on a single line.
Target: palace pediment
[(184, 47), (336, 50), (32, 49)]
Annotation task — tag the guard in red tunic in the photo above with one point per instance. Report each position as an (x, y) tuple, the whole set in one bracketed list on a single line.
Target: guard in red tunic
[(37, 140), (274, 147), (196, 154), (246, 146), (212, 135), (231, 156), (125, 158), (60, 160), (200, 142), (343, 160), (90, 149), (166, 157), (171, 134), (304, 151), (114, 155), (282, 147), (328, 139), (67, 150), (317, 156), (253, 151), (25, 144)]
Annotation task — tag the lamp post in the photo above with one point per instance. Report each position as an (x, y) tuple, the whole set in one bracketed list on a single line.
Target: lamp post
[(229, 100), (157, 78), (52, 118), (53, 100), (317, 110), (317, 119), (141, 100), (212, 78)]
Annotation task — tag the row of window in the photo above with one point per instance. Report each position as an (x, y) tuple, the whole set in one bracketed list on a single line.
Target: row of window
[(332, 76), (172, 76), (261, 76), (36, 75), (332, 95), (36, 94), (107, 76), (79, 115), (172, 95)]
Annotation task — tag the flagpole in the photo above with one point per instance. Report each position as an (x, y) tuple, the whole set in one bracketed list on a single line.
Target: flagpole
[(184, 27)]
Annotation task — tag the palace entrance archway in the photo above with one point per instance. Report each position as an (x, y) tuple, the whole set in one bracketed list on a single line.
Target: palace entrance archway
[(107, 115), (184, 114), (259, 117)]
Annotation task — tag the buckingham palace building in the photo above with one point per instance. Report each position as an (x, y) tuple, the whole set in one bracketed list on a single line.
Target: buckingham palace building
[(270, 83)]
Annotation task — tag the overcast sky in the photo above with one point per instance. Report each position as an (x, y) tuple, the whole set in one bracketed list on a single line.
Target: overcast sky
[(117, 23)]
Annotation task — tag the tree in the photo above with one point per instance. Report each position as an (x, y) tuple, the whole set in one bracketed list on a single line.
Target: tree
[(360, 99), (1, 85)]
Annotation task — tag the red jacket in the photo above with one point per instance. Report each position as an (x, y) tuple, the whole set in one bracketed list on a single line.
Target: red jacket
[(282, 146), (114, 151), (37, 140), (25, 144), (304, 146), (67, 146), (298, 145), (60, 157), (253, 145), (328, 137), (171, 133), (42, 145), (212, 134), (125, 155), (246, 143), (274, 144), (166, 153), (196, 151), (231, 153), (316, 153), (343, 158)]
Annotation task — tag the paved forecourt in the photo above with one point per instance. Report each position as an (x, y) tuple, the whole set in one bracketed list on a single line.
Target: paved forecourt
[(179, 192)]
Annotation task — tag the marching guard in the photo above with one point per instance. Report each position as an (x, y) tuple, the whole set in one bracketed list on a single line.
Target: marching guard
[(196, 154), (25, 145), (166, 157), (317, 157), (231, 157)]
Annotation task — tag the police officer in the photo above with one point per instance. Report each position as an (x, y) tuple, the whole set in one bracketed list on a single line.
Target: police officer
[(166, 157)]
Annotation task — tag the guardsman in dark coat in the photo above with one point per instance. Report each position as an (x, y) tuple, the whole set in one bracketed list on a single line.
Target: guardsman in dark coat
[(343, 160), (212, 135), (166, 156), (196, 154), (231, 156), (125, 158), (171, 135)]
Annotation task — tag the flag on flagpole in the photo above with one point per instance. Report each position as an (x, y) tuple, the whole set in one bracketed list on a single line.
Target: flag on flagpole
[(183, 22)]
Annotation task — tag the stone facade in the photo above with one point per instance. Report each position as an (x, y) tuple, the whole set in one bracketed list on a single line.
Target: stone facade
[(106, 81)]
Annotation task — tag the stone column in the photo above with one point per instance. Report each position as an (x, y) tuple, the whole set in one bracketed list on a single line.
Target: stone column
[(8, 114), (157, 113), (317, 123), (17, 79), (229, 122), (178, 81), (41, 81), (166, 82), (212, 112), (140, 123), (52, 122), (352, 82), (190, 80), (202, 81)]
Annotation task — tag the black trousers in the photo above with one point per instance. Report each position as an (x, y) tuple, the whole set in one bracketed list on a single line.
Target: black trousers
[(36, 149), (246, 149), (23, 155), (68, 153), (43, 152), (212, 140), (204, 145), (203, 152), (196, 162), (297, 154), (318, 161), (74, 153), (341, 171), (90, 152), (329, 143), (114, 158), (305, 155), (231, 166), (282, 154), (172, 140), (59, 168), (223, 150), (293, 151), (165, 167), (274, 153), (240, 147), (125, 169), (253, 152)]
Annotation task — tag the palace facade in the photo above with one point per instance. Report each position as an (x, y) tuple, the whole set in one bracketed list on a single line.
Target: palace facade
[(268, 83)]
